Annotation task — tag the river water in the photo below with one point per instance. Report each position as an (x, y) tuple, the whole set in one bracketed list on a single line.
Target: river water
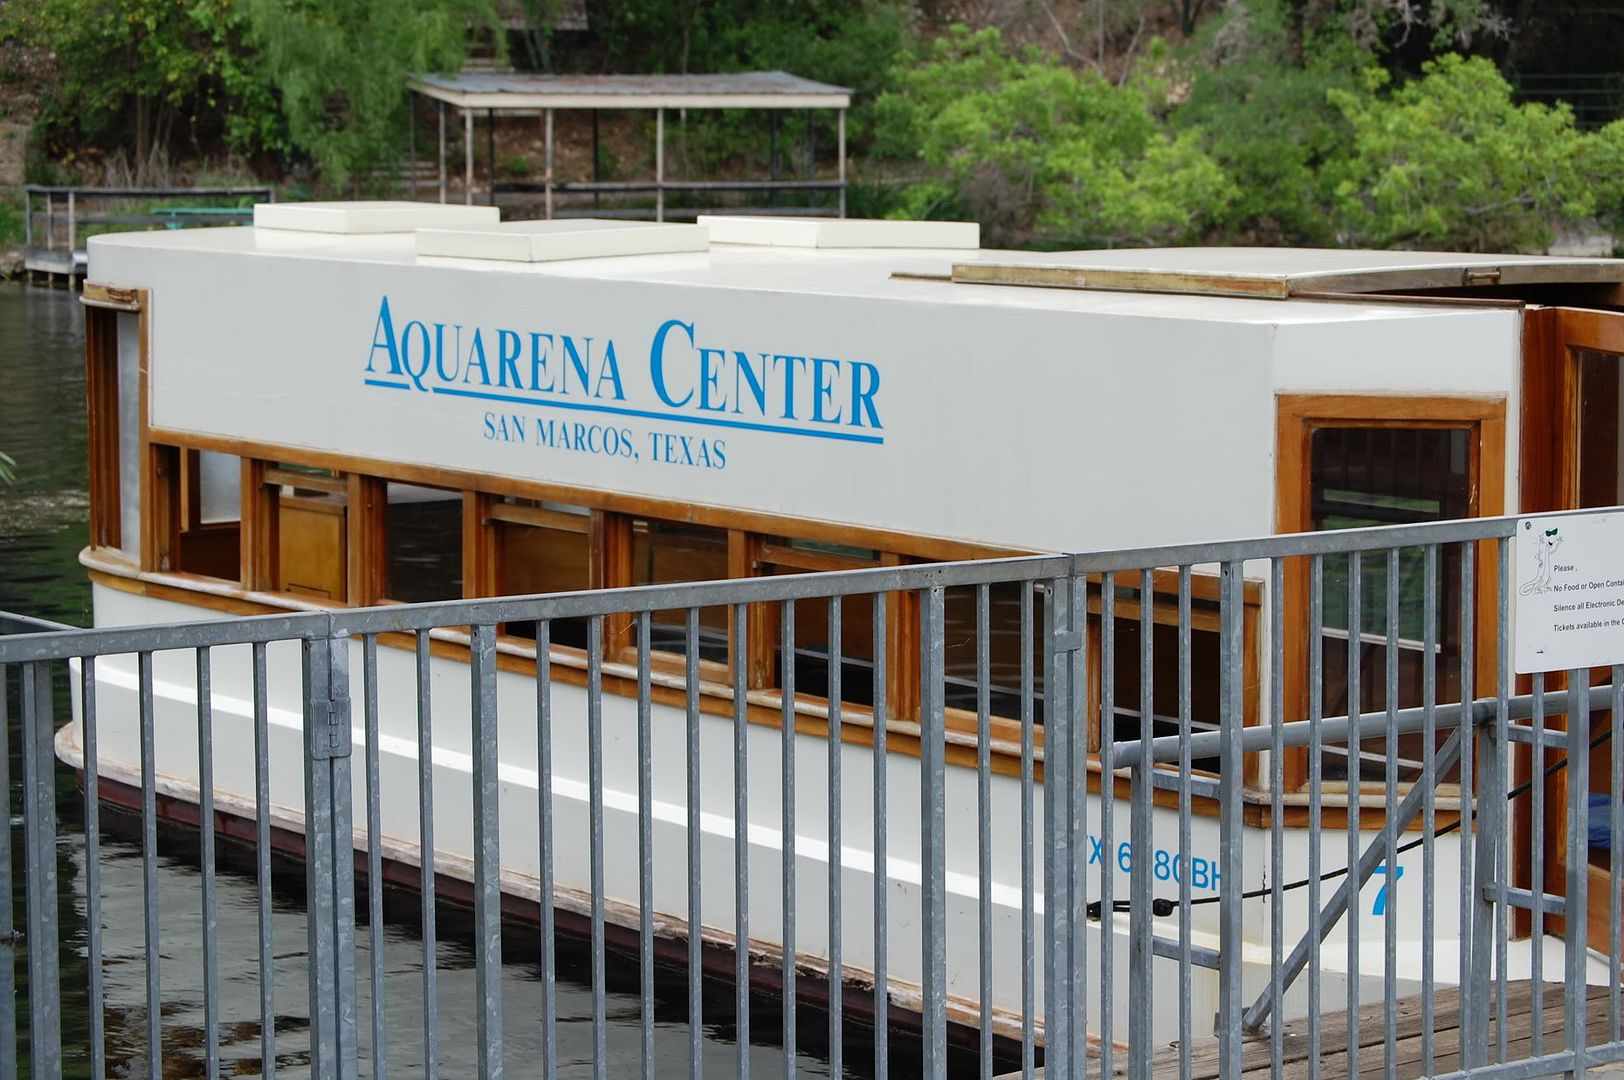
[(42, 529)]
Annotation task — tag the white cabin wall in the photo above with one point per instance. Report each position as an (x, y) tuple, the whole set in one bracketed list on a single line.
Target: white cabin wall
[(1014, 425), (1444, 353)]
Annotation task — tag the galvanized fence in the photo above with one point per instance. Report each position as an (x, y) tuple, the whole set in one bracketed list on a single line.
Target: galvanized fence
[(641, 798)]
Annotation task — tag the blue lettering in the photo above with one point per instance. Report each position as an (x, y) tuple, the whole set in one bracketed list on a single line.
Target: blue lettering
[(757, 383), (383, 337), (823, 389), (456, 355), (574, 360), (788, 363), (709, 380), (1380, 907), (538, 362), (406, 351), (1125, 857), (507, 358), (476, 356), (656, 361), (862, 401), (1093, 850), (611, 372)]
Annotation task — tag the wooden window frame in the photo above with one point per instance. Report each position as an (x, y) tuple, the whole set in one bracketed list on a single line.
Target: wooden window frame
[(1297, 418)]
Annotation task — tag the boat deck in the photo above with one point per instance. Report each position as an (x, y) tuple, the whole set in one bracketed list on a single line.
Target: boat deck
[(1372, 1054)]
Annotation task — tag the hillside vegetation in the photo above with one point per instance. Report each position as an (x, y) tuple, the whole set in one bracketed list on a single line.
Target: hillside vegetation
[(1054, 122)]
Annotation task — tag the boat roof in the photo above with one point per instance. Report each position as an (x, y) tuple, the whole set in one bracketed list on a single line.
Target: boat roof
[(736, 90), (929, 275)]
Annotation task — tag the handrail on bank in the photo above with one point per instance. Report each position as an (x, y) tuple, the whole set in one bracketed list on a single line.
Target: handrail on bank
[(75, 219)]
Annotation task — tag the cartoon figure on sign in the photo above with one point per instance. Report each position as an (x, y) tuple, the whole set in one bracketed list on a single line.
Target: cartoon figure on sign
[(1546, 544)]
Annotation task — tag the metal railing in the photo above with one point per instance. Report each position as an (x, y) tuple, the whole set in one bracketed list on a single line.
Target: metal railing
[(971, 900), (63, 209)]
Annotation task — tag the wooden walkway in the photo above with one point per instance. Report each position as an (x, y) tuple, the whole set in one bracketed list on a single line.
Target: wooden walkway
[(1372, 1039)]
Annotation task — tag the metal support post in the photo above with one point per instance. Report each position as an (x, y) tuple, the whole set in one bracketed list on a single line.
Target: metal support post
[(468, 156), (490, 152), (39, 832), (840, 151), (659, 165), (548, 181), (330, 860), (933, 821), (1232, 647), (1058, 857), (442, 152)]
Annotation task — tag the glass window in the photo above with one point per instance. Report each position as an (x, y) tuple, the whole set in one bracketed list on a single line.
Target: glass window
[(787, 555), (1601, 429), (1363, 476), (543, 547), (1205, 672), (1004, 650), (668, 553), (423, 527)]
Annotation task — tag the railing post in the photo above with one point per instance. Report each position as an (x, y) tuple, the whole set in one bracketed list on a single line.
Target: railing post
[(933, 812), (39, 832), (1059, 869), (1489, 868), (1230, 790), (28, 218), (73, 224), (329, 858)]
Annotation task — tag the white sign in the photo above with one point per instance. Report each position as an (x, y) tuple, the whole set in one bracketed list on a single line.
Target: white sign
[(1569, 601)]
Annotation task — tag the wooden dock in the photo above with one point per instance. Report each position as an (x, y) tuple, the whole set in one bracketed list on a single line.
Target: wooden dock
[(1408, 1064)]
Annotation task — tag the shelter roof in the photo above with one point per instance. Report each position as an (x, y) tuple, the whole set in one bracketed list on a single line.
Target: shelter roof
[(737, 90)]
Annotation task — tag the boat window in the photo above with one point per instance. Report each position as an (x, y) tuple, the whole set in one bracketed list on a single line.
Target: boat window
[(668, 553), (423, 542), (1361, 476), (211, 514), (306, 531), (105, 449), (1601, 428), (1004, 650), (541, 547), (788, 555), (1126, 669)]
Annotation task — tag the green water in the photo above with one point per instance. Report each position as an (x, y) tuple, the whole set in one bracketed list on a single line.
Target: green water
[(42, 529)]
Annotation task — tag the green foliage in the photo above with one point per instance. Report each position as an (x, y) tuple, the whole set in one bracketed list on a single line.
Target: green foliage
[(339, 68), (1027, 145), (132, 69), (1451, 160), (8, 470), (11, 220)]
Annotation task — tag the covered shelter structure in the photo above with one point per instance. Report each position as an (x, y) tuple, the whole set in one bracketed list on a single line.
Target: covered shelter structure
[(542, 95)]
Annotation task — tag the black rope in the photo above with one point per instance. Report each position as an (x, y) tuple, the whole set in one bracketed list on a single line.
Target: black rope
[(1162, 907)]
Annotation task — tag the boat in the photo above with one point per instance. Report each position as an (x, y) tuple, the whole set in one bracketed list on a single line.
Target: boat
[(352, 404)]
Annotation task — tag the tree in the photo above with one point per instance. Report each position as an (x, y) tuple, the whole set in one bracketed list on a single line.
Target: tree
[(1451, 160), (340, 69), (128, 72), (1033, 149)]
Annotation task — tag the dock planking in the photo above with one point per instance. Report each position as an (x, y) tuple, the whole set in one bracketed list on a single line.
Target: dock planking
[(1407, 1050)]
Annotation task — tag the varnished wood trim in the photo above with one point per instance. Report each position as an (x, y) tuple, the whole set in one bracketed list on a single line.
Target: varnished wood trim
[(367, 542), (1296, 417), (926, 547), (102, 427), (764, 707), (96, 294)]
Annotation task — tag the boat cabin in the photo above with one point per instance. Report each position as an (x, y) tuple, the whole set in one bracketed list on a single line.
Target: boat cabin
[(364, 403)]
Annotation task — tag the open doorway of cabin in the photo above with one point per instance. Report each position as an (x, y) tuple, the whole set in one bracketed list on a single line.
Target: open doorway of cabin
[(1573, 458)]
